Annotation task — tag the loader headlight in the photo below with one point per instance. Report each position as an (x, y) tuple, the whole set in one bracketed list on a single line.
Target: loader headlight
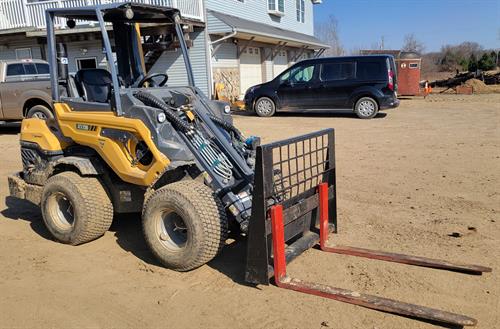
[(129, 13), (161, 117)]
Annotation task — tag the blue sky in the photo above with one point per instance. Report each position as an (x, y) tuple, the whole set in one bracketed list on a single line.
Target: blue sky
[(362, 23)]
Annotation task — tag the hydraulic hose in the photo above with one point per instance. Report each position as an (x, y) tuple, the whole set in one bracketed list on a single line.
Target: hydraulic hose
[(228, 126), (153, 101)]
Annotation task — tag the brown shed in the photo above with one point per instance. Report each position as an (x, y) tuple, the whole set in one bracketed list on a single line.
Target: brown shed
[(408, 66)]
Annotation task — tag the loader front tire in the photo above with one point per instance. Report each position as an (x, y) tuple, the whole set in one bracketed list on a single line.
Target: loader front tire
[(75, 209), (185, 225)]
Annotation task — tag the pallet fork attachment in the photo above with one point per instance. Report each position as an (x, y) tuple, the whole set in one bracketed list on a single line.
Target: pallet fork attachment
[(295, 189)]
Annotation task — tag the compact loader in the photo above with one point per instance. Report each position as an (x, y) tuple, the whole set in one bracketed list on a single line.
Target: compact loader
[(122, 141)]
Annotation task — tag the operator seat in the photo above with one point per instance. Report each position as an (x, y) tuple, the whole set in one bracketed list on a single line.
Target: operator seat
[(94, 85)]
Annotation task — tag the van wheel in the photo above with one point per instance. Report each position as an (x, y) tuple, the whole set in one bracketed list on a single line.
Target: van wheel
[(39, 112), (366, 108), (265, 107)]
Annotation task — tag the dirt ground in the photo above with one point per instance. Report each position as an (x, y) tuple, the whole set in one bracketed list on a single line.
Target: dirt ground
[(407, 181)]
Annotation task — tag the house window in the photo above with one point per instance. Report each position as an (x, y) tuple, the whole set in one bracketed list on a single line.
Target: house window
[(23, 53), (301, 10), (86, 63), (276, 6)]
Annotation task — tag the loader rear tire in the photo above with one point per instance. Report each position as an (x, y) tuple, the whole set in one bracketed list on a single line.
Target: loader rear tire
[(185, 225), (75, 209)]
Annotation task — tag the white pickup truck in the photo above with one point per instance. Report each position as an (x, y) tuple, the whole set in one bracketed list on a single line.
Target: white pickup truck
[(24, 90)]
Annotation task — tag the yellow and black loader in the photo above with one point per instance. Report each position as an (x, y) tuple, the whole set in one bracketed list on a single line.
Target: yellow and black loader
[(122, 141)]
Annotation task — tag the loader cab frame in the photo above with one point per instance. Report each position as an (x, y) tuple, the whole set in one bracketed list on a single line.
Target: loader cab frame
[(125, 20)]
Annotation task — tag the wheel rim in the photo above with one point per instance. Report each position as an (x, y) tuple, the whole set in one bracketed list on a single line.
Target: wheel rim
[(366, 108), (265, 106), (39, 115), (171, 230), (61, 210)]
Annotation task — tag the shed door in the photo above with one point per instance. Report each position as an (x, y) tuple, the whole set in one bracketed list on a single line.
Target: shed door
[(250, 68), (280, 63)]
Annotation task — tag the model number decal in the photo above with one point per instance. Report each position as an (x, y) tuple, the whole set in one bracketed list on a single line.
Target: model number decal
[(81, 126)]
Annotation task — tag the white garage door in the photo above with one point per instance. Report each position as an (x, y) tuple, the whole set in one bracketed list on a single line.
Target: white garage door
[(280, 63), (250, 68)]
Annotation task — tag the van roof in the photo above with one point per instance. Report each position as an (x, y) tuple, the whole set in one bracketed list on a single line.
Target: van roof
[(327, 59)]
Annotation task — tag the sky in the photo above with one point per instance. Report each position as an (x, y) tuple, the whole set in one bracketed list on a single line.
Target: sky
[(362, 23)]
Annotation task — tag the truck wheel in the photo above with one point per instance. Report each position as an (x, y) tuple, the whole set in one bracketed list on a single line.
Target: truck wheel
[(75, 209), (185, 225), (39, 112), (265, 107), (366, 108)]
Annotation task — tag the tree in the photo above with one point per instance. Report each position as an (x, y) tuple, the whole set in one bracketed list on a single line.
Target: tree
[(472, 63), (412, 44), (327, 32), (487, 62)]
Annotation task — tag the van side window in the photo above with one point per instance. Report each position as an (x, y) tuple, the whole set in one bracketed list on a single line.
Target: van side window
[(371, 70), (299, 74), (337, 71), (15, 69)]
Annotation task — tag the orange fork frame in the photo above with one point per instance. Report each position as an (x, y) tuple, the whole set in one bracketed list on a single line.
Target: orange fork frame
[(353, 297)]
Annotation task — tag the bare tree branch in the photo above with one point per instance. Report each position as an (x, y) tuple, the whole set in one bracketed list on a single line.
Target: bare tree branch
[(411, 43), (327, 32)]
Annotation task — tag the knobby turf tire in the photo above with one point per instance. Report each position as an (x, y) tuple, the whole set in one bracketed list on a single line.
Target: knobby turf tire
[(92, 208), (202, 213)]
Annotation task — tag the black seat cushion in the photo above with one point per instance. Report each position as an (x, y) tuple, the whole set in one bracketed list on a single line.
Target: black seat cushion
[(94, 85)]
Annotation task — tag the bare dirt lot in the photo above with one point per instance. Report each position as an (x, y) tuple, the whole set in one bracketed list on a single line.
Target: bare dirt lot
[(406, 181)]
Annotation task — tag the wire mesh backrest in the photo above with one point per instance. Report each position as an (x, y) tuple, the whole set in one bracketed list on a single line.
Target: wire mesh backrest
[(299, 164)]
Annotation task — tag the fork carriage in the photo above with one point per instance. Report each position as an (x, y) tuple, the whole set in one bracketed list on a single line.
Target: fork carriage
[(295, 208)]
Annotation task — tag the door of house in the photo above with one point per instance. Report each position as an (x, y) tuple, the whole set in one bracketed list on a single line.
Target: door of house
[(280, 63), (250, 68)]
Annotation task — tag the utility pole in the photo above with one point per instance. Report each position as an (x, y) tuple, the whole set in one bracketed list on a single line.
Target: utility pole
[(382, 43)]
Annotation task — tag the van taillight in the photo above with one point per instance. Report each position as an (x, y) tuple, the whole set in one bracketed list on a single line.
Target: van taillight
[(390, 85)]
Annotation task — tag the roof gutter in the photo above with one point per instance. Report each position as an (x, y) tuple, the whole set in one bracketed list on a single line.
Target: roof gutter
[(283, 38)]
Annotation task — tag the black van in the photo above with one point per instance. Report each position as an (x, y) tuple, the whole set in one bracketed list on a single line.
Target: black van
[(364, 84)]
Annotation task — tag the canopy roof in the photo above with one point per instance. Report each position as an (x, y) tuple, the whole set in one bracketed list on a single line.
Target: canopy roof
[(260, 32), (116, 12)]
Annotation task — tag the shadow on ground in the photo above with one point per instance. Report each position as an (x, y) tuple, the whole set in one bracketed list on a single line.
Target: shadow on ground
[(127, 229), (311, 114), (18, 209)]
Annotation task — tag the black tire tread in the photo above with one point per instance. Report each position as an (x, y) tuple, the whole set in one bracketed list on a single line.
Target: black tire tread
[(97, 209), (210, 211)]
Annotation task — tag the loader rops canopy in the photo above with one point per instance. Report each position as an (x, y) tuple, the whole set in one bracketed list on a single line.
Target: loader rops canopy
[(118, 12)]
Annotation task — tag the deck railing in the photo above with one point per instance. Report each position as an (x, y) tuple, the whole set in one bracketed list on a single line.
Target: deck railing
[(21, 13)]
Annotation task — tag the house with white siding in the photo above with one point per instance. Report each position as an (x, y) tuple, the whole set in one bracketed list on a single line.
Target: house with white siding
[(233, 44)]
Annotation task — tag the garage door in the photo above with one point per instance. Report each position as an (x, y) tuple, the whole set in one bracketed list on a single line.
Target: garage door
[(280, 63), (250, 68)]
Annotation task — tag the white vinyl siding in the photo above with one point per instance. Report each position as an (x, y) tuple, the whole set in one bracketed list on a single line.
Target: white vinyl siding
[(226, 56), (172, 63), (257, 10)]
